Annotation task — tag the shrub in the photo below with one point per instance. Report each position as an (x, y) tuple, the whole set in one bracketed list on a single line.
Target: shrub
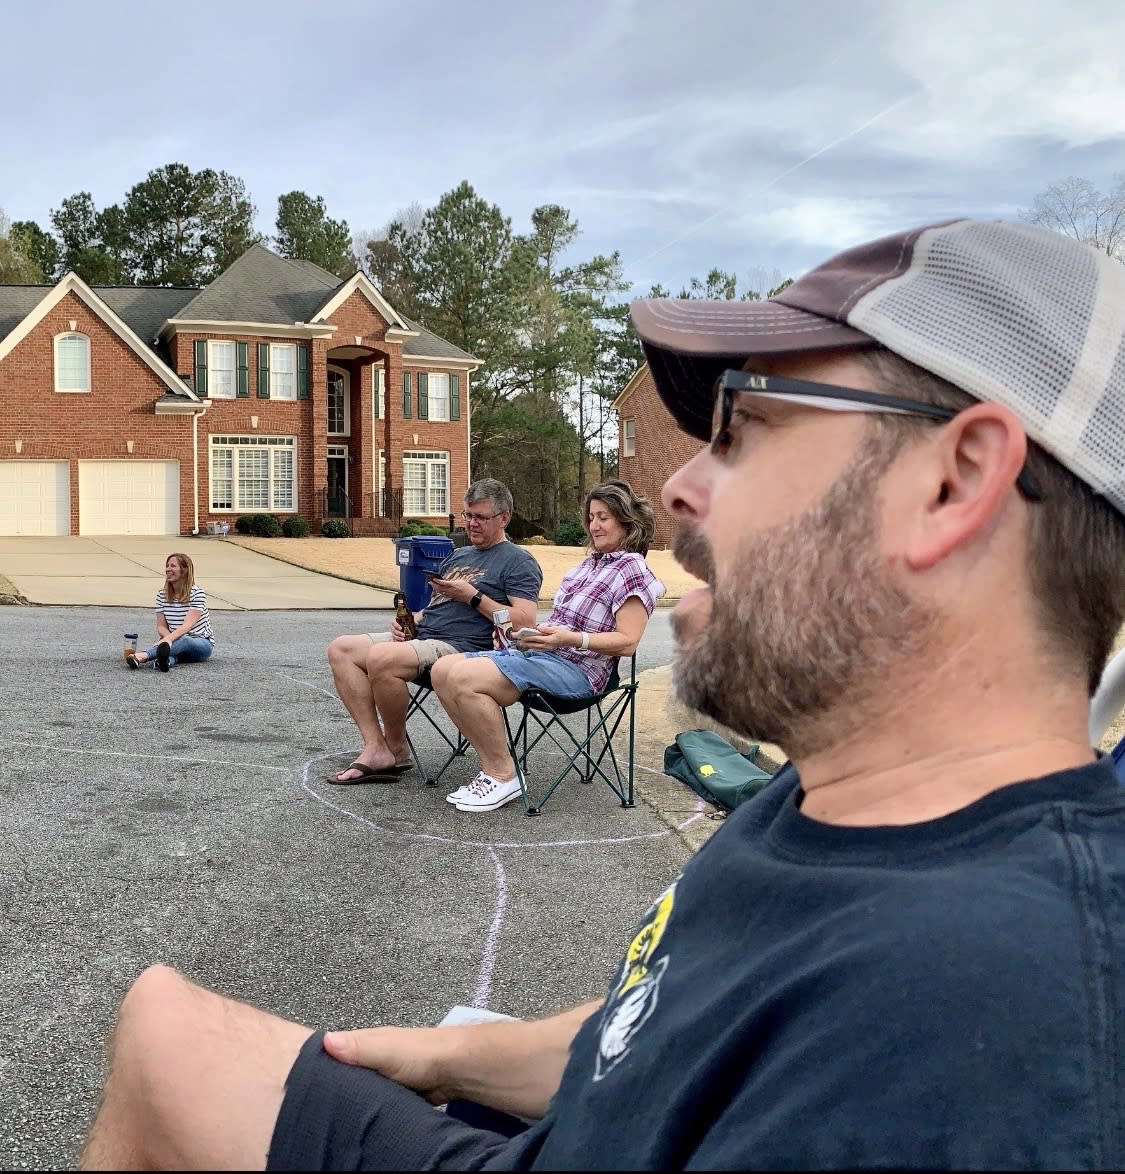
[(570, 533), (535, 540), (295, 527), (243, 524), (408, 530), (266, 526), (335, 528)]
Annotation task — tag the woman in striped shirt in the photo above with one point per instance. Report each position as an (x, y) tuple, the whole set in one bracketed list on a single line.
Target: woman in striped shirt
[(182, 620)]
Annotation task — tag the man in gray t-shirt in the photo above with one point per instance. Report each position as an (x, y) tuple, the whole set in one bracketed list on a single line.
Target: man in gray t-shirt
[(372, 671)]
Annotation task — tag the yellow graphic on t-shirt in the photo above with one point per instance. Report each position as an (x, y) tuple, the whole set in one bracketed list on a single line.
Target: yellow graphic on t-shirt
[(638, 957)]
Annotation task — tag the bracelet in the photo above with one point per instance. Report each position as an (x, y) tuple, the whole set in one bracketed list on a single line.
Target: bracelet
[(585, 641)]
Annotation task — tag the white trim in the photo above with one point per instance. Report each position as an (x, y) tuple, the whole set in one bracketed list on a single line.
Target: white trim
[(270, 444), (74, 284), (428, 361), (634, 382), (210, 344), (258, 329), (362, 283), (336, 369), (75, 333), (398, 334)]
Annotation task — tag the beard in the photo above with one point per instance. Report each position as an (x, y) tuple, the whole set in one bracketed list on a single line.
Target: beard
[(804, 633)]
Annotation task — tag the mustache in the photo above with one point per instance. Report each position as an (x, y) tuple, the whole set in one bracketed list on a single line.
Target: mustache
[(690, 550)]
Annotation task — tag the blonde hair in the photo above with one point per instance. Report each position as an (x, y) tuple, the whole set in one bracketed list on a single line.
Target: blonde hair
[(181, 592)]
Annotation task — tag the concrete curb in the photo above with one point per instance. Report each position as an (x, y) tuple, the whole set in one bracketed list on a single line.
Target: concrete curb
[(659, 718)]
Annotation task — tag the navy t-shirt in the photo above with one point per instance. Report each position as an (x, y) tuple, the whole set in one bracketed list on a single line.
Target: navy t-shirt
[(502, 572), (946, 994)]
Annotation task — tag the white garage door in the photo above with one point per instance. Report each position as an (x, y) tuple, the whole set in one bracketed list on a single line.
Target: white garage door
[(34, 497), (128, 497)]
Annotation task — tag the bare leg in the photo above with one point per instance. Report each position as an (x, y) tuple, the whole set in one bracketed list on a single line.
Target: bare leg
[(368, 677), (196, 1080), (474, 691), (390, 668)]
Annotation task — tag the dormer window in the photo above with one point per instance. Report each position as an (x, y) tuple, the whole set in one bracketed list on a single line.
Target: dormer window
[(72, 362)]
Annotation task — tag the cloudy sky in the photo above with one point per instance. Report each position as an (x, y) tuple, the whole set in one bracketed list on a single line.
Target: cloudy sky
[(755, 135)]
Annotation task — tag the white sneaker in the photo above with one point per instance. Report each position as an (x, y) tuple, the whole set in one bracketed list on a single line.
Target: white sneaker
[(461, 793), (487, 794)]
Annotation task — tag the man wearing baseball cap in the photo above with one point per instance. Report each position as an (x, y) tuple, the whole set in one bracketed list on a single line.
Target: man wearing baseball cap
[(908, 950)]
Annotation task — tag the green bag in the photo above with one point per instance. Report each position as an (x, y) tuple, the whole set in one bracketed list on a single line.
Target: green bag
[(714, 769)]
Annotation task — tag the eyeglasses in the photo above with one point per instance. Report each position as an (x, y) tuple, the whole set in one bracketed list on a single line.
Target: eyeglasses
[(481, 518), (832, 398)]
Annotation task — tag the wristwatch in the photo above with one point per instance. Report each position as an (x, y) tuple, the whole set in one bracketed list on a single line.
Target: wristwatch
[(474, 603)]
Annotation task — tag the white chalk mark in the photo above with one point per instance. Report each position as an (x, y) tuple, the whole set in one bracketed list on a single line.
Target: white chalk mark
[(309, 685), (483, 991), (147, 757), (432, 837)]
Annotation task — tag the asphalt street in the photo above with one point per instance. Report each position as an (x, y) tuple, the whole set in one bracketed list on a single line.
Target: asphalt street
[(183, 818)]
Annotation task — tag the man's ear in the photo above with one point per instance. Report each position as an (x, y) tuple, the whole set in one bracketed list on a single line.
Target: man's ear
[(976, 459)]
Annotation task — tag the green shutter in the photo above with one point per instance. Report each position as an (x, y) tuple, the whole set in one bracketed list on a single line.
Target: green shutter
[(423, 396), (454, 397), (242, 366), (303, 370), (200, 367), (406, 395), (263, 370)]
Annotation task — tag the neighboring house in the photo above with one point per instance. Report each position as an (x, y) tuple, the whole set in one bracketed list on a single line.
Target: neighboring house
[(650, 445), (146, 410)]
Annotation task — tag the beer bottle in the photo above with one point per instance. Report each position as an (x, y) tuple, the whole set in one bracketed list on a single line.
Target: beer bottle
[(405, 617)]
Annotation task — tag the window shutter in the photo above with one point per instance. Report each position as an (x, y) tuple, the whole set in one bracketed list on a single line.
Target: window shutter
[(242, 367), (303, 370), (423, 396), (200, 367), (406, 395), (263, 370), (454, 396)]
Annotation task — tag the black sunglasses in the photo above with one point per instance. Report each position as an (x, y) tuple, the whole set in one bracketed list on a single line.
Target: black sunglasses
[(832, 398)]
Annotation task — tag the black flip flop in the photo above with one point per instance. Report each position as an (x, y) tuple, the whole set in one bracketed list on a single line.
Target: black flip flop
[(370, 774)]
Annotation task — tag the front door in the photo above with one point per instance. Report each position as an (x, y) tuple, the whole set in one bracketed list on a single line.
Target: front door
[(338, 481)]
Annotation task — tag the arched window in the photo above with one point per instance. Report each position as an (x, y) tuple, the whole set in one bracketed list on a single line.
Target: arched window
[(72, 362)]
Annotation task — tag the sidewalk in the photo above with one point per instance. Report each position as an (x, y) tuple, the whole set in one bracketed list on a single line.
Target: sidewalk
[(371, 561)]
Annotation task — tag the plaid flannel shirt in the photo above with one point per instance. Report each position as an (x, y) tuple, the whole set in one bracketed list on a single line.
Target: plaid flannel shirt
[(589, 597)]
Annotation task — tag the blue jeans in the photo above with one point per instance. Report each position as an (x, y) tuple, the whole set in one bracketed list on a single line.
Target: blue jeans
[(186, 648)]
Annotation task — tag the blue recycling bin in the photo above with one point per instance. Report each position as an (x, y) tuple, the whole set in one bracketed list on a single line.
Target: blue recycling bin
[(415, 555)]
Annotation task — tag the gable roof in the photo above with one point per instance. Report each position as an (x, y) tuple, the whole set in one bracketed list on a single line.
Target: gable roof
[(430, 346), (43, 299), (635, 381), (262, 287)]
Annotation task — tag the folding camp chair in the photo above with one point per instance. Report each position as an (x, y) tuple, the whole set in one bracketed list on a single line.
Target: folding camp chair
[(590, 752), (421, 690), (590, 756)]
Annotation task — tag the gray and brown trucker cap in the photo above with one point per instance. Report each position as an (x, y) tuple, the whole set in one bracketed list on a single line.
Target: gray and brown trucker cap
[(1009, 312)]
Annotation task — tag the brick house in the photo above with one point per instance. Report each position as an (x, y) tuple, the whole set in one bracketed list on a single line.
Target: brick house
[(650, 445), (146, 410)]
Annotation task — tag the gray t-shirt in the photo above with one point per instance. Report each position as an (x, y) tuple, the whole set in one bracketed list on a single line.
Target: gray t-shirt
[(503, 572)]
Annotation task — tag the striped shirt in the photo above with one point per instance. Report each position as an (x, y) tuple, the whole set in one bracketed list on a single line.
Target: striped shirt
[(589, 598), (175, 613)]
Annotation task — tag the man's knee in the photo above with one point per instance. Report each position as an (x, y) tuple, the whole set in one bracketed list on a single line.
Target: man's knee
[(391, 662), (349, 650)]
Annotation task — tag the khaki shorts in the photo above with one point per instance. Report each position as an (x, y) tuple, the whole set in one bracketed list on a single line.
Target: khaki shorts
[(428, 651)]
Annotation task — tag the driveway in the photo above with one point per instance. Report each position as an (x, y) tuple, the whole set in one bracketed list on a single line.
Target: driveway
[(126, 571)]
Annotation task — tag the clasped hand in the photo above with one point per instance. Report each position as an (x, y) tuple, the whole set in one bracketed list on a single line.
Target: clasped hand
[(545, 638)]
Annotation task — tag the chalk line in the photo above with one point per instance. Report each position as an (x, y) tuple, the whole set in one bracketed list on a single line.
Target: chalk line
[(483, 991), (150, 757)]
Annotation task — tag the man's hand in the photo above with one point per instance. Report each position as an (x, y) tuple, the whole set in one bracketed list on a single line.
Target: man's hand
[(513, 1065), (460, 590), (413, 1056)]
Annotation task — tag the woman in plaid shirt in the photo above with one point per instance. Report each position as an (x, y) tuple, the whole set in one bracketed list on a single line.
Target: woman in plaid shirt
[(600, 612)]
